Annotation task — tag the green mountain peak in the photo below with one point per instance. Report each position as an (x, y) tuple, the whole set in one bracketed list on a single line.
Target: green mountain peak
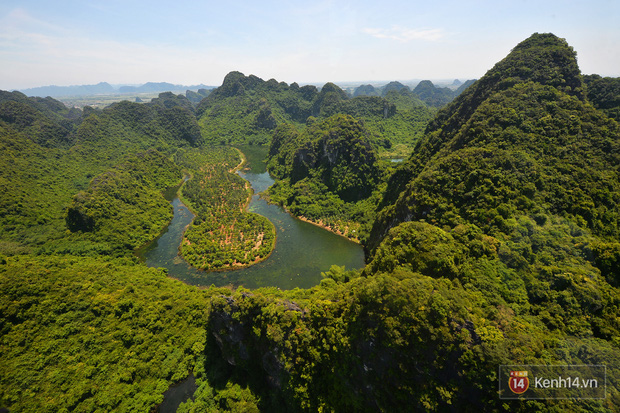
[(526, 127)]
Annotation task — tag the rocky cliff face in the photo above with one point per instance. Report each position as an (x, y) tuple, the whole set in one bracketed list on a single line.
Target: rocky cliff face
[(348, 353), (335, 151), (243, 344)]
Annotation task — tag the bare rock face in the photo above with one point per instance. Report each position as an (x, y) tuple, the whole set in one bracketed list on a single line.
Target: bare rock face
[(230, 335), (274, 368), (231, 324), (339, 152)]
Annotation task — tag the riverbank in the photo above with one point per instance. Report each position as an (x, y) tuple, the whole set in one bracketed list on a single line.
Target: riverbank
[(225, 235), (303, 250), (245, 208), (327, 228), (319, 224), (169, 195), (248, 186)]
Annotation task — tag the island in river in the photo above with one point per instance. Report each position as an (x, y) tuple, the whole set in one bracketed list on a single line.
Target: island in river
[(303, 250)]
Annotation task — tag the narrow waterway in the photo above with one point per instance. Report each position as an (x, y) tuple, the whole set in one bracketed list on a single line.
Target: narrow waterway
[(302, 250)]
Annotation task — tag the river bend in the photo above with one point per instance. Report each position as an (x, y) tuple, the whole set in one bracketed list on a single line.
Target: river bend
[(301, 253)]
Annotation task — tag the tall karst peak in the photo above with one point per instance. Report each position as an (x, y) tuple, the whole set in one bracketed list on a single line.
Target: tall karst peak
[(541, 58), (515, 123), (236, 83), (544, 59), (331, 87)]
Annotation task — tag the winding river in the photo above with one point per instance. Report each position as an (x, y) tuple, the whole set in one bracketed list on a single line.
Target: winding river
[(301, 253)]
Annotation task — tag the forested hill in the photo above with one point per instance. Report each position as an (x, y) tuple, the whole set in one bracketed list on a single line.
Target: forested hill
[(247, 109), (335, 151), (496, 243), (50, 153), (524, 139), (434, 96), (604, 94), (425, 92), (46, 121)]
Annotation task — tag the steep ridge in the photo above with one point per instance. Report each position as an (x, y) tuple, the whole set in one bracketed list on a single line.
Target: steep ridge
[(432, 95), (500, 248), (247, 109), (328, 172), (50, 153), (524, 138), (604, 94), (496, 244), (45, 121), (336, 151)]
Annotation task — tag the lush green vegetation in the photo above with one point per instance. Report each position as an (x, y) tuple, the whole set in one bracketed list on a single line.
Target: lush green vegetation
[(92, 334), (525, 166), (45, 121), (392, 342), (424, 94), (327, 173), (604, 94), (126, 127), (123, 208), (528, 147), (223, 235), (337, 151), (40, 176), (80, 329), (394, 123), (496, 242), (432, 95), (247, 109)]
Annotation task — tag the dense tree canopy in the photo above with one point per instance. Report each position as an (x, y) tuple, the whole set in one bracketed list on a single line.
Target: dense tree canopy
[(496, 242), (327, 173), (604, 94), (247, 109)]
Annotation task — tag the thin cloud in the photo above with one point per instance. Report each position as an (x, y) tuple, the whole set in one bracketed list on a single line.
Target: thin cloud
[(404, 34), (20, 19)]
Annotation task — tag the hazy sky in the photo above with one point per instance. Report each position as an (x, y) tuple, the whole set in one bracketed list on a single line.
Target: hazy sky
[(66, 42)]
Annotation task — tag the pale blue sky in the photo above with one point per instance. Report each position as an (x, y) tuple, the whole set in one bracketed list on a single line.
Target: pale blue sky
[(66, 42)]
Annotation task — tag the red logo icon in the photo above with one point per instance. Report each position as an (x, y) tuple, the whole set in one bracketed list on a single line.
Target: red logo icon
[(518, 382)]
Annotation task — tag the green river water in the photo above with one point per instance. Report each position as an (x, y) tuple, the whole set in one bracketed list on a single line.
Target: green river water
[(302, 250)]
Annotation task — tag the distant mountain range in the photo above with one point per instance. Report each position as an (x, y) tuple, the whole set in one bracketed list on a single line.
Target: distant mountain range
[(105, 88), (426, 91)]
